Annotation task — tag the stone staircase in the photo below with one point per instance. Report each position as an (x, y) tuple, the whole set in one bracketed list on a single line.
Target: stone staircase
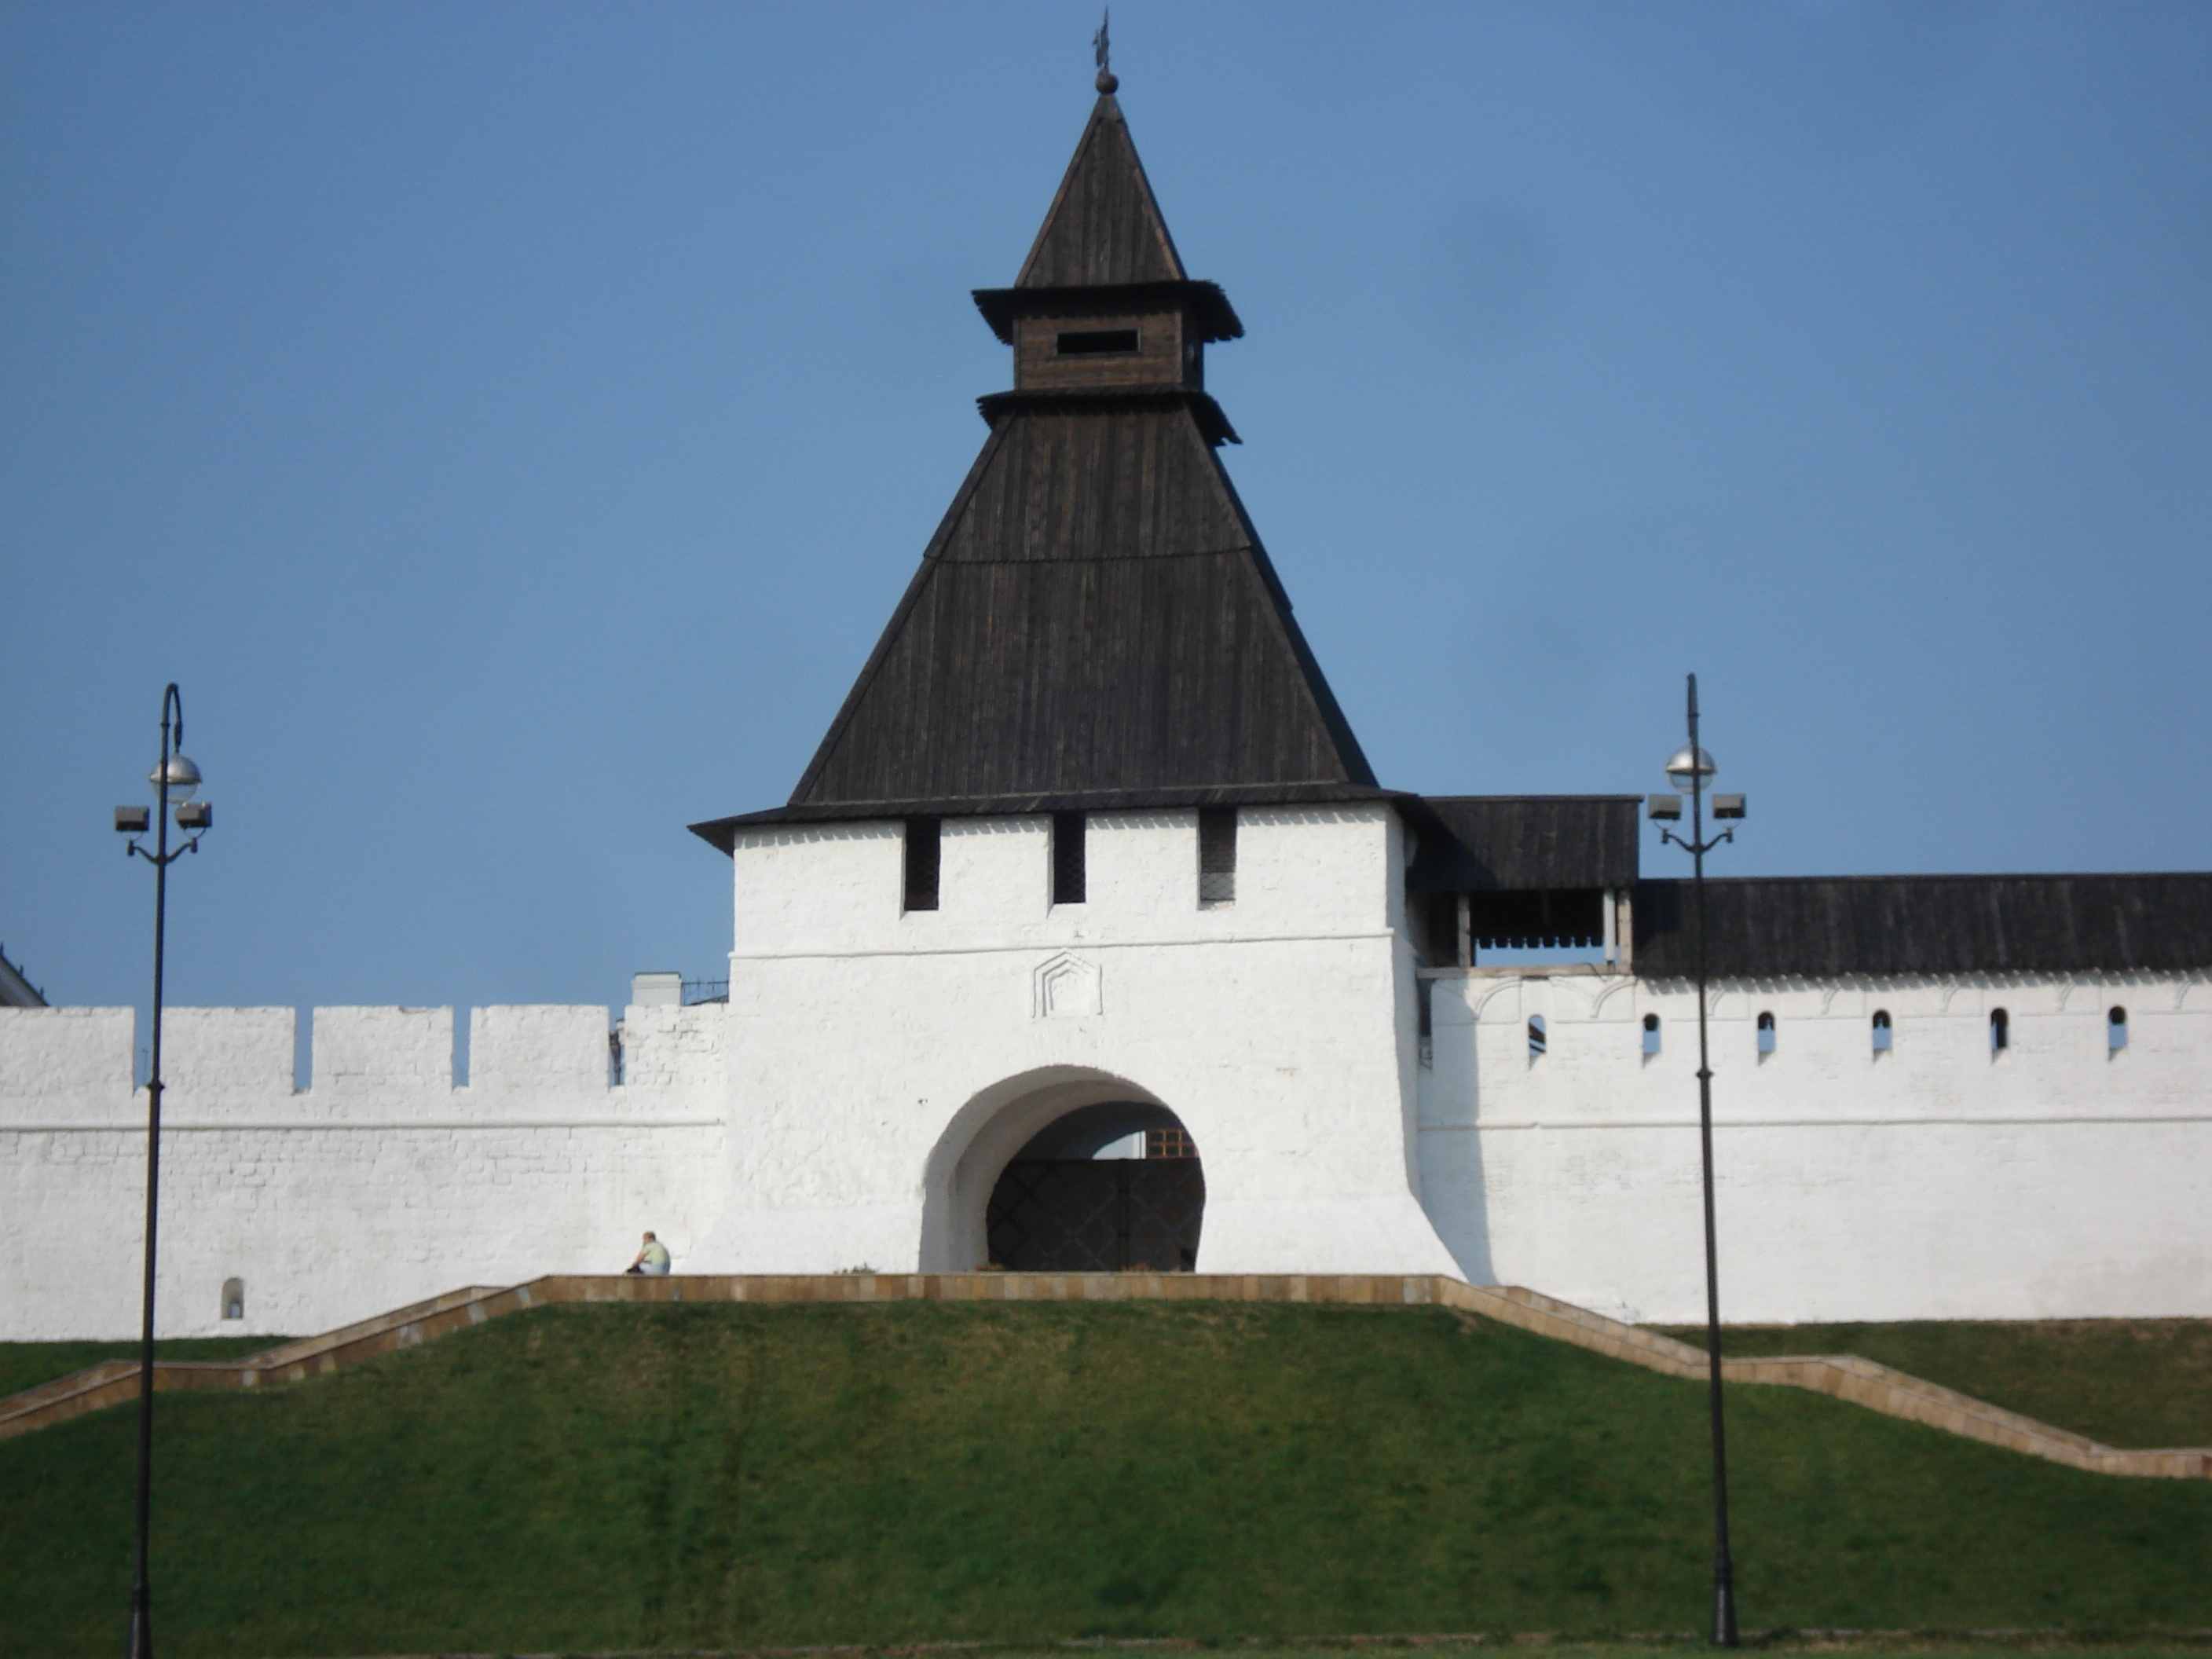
[(1846, 1376)]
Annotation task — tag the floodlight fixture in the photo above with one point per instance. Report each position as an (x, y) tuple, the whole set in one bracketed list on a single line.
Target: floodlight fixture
[(195, 814), (1665, 807), (1727, 807), (131, 820)]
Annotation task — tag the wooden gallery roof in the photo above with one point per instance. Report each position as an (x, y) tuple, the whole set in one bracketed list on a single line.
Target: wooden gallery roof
[(1523, 843), (1095, 624), (1822, 927)]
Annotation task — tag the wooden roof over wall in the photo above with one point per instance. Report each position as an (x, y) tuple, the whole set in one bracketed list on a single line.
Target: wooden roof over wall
[(1822, 927), (1476, 843)]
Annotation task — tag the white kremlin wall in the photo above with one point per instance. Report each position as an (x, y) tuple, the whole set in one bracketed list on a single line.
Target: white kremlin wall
[(874, 1070), (381, 1184), (1940, 1179)]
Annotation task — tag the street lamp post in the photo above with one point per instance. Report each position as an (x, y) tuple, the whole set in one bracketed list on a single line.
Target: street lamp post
[(175, 780), (1689, 770)]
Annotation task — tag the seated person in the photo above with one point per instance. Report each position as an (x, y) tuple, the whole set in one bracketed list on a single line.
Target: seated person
[(653, 1259)]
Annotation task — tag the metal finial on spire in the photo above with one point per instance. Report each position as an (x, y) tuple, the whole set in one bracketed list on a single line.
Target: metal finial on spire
[(1102, 52)]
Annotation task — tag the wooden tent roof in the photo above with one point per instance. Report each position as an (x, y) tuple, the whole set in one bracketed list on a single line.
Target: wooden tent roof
[(1094, 623)]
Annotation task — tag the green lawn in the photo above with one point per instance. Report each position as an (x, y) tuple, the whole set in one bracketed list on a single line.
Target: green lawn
[(637, 1476), (2124, 1382), (27, 1365)]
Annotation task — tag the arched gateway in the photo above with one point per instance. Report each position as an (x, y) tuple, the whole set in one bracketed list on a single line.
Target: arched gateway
[(1064, 1170), (1113, 1187)]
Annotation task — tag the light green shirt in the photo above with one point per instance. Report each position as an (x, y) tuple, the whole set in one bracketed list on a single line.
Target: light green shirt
[(656, 1254)]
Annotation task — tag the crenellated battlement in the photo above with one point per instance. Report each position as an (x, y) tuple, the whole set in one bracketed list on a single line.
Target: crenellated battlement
[(75, 1066), (284, 1207)]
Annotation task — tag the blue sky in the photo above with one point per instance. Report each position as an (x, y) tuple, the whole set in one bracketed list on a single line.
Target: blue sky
[(512, 424)]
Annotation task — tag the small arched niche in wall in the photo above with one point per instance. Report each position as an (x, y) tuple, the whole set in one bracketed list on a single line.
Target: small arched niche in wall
[(1538, 1037), (234, 1298), (1765, 1035), (2115, 1029), (1650, 1036), (2000, 1032), (1884, 1037)]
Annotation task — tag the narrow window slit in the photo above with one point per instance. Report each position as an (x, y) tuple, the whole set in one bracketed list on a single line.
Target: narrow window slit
[(2000, 1031), (1538, 1037), (1766, 1035), (2115, 1029), (1217, 855), (925, 849), (1069, 877), (234, 1298), (1883, 1035), (1651, 1035)]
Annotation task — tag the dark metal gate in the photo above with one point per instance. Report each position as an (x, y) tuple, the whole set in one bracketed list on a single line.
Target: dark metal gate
[(1097, 1215)]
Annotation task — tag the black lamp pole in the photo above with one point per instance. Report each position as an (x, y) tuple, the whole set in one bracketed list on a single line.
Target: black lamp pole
[(1698, 766), (176, 777)]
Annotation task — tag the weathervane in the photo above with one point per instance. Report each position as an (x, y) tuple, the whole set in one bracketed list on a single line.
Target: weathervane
[(1102, 52)]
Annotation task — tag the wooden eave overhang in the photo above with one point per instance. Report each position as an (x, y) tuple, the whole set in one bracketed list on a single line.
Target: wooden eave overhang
[(1205, 303), (1212, 425)]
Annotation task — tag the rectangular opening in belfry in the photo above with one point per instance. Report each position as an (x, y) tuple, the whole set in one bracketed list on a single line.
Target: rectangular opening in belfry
[(1217, 854), (924, 848), (1068, 831), (1096, 342)]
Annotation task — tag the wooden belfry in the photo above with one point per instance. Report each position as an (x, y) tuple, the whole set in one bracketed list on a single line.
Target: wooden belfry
[(1095, 624)]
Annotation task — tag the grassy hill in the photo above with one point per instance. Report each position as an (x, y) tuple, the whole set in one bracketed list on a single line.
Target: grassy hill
[(630, 1476)]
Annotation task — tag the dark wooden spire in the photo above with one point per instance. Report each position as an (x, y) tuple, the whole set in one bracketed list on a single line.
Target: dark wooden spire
[(1095, 623), (1104, 226)]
